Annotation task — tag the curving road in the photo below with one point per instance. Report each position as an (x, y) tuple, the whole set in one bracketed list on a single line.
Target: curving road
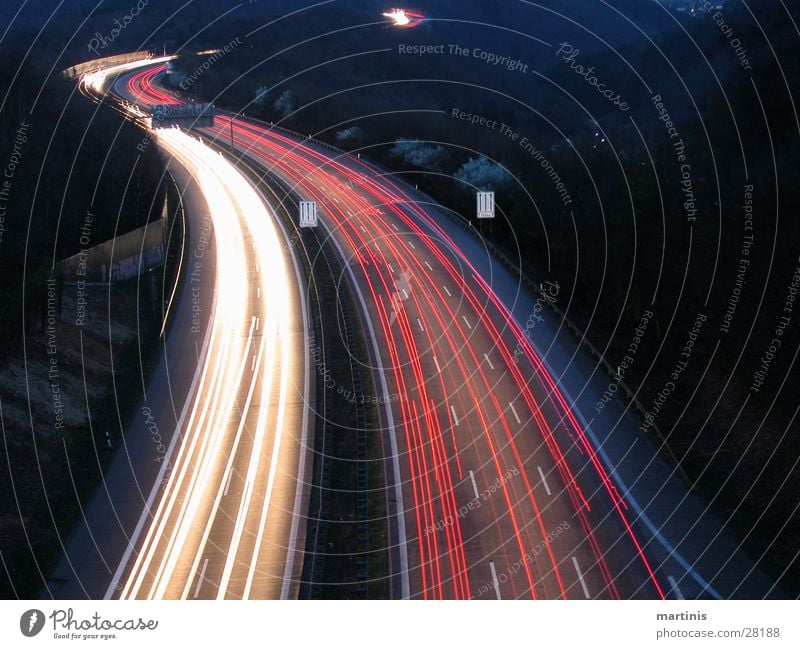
[(503, 495)]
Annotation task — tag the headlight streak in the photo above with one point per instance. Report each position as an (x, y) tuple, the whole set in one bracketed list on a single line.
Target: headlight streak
[(191, 501), (97, 80)]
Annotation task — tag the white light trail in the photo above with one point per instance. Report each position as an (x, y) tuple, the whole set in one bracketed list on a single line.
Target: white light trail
[(177, 539)]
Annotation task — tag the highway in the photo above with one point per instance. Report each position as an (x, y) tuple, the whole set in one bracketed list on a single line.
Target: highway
[(503, 495), (498, 486)]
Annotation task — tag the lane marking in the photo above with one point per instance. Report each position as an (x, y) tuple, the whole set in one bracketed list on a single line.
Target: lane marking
[(258, 270), (580, 577), (253, 364), (488, 361), (455, 417), (495, 582), (258, 323), (544, 481), (611, 467), (413, 247), (438, 369), (474, 484), (466, 322), (228, 483), (419, 322), (395, 227), (362, 229), (258, 292), (429, 266), (405, 294), (674, 585), (201, 578), (154, 490), (514, 411), (447, 291), (390, 267)]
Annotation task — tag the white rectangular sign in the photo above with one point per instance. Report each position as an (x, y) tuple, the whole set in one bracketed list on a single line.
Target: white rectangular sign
[(485, 205), (308, 214)]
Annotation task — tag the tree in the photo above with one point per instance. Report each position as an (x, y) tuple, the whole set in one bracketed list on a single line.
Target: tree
[(351, 136), (482, 174), (419, 154), (285, 105), (261, 96)]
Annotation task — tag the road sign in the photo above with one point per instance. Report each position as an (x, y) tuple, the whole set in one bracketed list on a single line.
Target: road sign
[(308, 214), (190, 115), (485, 205)]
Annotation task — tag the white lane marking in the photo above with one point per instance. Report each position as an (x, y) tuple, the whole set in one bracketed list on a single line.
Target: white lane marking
[(488, 361), (544, 481), (622, 487), (455, 417), (258, 270), (514, 411), (258, 323), (474, 484), (228, 484), (413, 247), (447, 291), (429, 266), (674, 586), (395, 227), (405, 294), (495, 582), (108, 440), (362, 229), (419, 322), (201, 578), (580, 577), (258, 292), (253, 364), (466, 322), (438, 369), (390, 267)]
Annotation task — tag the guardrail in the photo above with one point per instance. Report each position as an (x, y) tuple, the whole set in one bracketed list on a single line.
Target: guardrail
[(77, 70)]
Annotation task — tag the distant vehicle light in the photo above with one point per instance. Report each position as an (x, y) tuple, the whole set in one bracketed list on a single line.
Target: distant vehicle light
[(404, 17)]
